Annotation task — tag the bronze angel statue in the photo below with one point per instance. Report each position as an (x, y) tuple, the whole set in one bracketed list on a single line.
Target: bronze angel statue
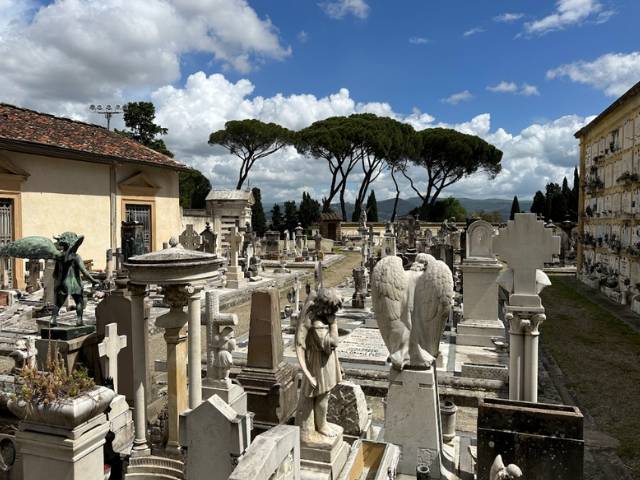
[(68, 269), (412, 308)]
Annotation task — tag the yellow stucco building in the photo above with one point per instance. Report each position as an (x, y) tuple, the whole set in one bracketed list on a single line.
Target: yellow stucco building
[(609, 221), (61, 175)]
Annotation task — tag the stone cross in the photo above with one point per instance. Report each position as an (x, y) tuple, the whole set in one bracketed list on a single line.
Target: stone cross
[(109, 348), (235, 240), (189, 239), (525, 245)]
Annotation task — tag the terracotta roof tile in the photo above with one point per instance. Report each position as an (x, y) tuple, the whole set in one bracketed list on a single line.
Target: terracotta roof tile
[(23, 125)]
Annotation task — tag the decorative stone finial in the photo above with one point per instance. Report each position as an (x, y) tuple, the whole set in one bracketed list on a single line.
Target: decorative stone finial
[(173, 242)]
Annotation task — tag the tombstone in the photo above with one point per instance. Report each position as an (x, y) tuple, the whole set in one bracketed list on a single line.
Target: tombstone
[(215, 436), (545, 441), (444, 252), (189, 239), (109, 348), (33, 267), (208, 239), (116, 307), (480, 271), (525, 245), (273, 455), (318, 246), (348, 408), (360, 287), (389, 242), (273, 244), (268, 380), (220, 345), (235, 275)]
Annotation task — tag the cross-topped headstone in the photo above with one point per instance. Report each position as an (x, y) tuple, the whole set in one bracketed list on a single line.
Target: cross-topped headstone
[(235, 240), (208, 239), (189, 239), (525, 245), (110, 348)]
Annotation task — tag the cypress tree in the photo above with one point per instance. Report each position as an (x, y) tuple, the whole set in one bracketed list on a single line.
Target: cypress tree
[(276, 218), (258, 219), (372, 207), (539, 204), (515, 207)]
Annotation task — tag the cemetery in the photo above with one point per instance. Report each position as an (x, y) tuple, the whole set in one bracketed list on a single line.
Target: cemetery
[(157, 324)]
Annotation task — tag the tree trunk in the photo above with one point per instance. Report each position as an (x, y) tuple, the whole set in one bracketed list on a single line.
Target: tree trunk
[(395, 200)]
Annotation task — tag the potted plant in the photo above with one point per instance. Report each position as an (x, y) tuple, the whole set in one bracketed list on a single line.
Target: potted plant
[(57, 398)]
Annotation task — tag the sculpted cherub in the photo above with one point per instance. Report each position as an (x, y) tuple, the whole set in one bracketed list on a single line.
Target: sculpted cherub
[(68, 269), (316, 342), (223, 344)]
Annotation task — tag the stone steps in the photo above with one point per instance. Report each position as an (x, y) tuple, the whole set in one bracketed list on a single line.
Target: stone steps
[(154, 468)]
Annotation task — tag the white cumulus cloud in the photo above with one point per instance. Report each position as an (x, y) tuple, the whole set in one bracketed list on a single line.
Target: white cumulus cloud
[(569, 13), (473, 31), (76, 50), (508, 17), (342, 8), (511, 87), (613, 73), (456, 98)]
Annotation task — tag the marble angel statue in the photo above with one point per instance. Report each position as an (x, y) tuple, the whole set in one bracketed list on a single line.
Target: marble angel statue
[(412, 308)]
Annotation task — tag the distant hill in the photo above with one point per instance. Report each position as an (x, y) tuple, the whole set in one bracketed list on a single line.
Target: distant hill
[(405, 205)]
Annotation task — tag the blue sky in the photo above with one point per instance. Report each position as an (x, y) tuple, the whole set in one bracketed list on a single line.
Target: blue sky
[(524, 75)]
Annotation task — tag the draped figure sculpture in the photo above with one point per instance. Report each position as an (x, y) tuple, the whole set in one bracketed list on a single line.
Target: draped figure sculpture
[(316, 342)]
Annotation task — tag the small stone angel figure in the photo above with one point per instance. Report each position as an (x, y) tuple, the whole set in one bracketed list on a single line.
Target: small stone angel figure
[(316, 342), (223, 344)]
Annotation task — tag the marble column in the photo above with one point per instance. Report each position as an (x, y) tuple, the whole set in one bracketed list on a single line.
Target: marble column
[(174, 323), (195, 350), (531, 336), (516, 356), (138, 329)]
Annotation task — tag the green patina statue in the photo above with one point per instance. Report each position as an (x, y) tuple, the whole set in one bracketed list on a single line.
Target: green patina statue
[(68, 269)]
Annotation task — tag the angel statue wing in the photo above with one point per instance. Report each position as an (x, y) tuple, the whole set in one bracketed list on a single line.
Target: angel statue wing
[(34, 248), (433, 300), (389, 291)]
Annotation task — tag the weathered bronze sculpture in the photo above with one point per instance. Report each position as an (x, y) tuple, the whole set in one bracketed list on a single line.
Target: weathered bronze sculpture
[(316, 342), (68, 269)]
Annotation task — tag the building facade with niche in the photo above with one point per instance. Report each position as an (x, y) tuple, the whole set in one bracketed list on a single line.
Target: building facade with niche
[(58, 174), (609, 220)]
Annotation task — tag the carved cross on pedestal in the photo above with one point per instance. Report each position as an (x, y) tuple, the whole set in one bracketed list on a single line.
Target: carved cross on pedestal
[(110, 348), (235, 243), (189, 239), (525, 245)]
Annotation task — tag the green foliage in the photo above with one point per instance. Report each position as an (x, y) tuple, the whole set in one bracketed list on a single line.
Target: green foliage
[(449, 156), (559, 203), (250, 140), (258, 218), (309, 211), (34, 247), (515, 207), (139, 119), (539, 205), (35, 387), (290, 216), (194, 188), (372, 207), (491, 217), (444, 208), (277, 222)]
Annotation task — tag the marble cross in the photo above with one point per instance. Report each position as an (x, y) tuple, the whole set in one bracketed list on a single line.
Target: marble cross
[(235, 243), (525, 245), (189, 239), (110, 348)]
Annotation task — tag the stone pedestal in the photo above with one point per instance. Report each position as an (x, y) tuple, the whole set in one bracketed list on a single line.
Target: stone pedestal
[(82, 350), (235, 277), (56, 455), (323, 461), (232, 394), (267, 379), (480, 304), (416, 431), (545, 441)]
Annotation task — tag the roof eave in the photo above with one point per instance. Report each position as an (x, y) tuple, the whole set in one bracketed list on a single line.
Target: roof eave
[(60, 152)]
